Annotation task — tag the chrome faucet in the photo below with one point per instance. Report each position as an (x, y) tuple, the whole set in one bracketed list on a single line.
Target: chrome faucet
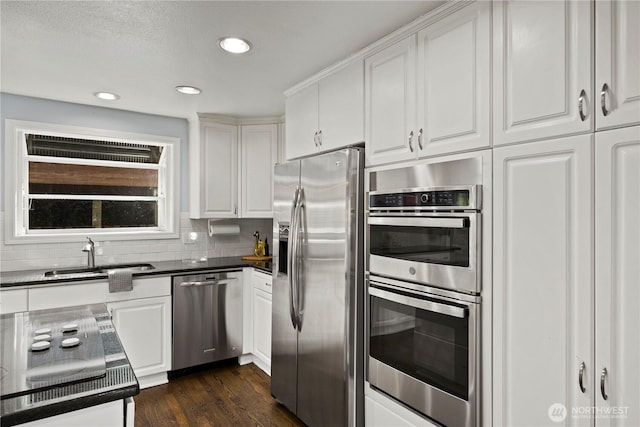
[(90, 249)]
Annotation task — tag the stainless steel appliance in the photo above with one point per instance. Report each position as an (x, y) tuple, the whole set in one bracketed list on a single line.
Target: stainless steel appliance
[(207, 318), (424, 349), (430, 235), (318, 288), (424, 287)]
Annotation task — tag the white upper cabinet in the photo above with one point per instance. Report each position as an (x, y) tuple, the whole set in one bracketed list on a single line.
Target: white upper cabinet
[(259, 153), (301, 111), (617, 266), (617, 63), (236, 164), (219, 166), (429, 94), (341, 107), (454, 82), (390, 103), (542, 59), (326, 115)]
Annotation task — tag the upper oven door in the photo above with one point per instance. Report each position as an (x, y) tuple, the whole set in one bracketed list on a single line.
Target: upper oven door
[(437, 249)]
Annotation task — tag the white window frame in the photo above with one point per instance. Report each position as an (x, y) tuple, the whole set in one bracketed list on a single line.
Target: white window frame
[(16, 184)]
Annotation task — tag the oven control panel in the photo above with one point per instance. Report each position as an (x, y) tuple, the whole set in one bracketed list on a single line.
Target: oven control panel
[(426, 199)]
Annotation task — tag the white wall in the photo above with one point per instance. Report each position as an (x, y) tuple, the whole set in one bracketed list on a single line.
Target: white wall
[(37, 256), (18, 107)]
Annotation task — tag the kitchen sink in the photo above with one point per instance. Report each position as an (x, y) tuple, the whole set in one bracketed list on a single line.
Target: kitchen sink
[(102, 269)]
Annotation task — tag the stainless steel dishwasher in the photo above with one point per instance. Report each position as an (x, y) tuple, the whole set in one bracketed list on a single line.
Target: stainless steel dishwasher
[(207, 318)]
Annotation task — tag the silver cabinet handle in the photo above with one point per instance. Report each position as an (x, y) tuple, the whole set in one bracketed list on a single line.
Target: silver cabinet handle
[(583, 367), (320, 138), (583, 95), (603, 99), (411, 141), (315, 139), (603, 377), (420, 138)]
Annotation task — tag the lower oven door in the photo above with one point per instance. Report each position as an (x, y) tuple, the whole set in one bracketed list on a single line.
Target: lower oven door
[(423, 350), (437, 249)]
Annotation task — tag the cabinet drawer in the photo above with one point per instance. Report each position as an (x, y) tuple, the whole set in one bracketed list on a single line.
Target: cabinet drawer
[(13, 301), (262, 281), (69, 294)]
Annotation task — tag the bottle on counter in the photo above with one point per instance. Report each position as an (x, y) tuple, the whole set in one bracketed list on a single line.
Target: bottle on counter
[(266, 246)]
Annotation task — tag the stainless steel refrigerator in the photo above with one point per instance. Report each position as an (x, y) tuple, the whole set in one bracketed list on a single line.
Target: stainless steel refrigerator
[(317, 319)]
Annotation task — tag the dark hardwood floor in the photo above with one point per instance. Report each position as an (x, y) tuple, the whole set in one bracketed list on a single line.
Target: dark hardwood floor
[(219, 395)]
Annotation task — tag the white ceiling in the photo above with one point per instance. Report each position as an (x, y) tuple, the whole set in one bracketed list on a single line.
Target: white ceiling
[(141, 50)]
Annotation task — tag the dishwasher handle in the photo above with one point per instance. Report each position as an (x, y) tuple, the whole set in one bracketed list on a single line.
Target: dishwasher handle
[(205, 283)]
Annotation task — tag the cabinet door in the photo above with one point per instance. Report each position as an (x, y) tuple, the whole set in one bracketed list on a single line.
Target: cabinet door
[(617, 63), (543, 279), (220, 170), (144, 328), (341, 107), (259, 154), (618, 274), (262, 328), (110, 414), (390, 103), (454, 82), (541, 66), (301, 111)]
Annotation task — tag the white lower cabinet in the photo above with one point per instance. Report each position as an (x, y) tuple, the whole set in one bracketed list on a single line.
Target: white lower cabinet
[(543, 282), (616, 372), (142, 318), (382, 411), (112, 414), (261, 297), (144, 328)]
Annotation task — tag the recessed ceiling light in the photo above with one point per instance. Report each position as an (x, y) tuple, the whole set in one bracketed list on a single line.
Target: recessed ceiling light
[(107, 95), (234, 45), (189, 90)]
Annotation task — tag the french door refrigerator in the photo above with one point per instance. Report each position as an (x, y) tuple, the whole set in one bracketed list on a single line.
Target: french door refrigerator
[(317, 318)]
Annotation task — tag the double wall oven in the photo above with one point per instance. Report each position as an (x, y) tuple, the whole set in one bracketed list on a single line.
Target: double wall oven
[(424, 287)]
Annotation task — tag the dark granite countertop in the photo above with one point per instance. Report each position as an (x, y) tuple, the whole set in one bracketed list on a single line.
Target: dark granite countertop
[(117, 383), (164, 268)]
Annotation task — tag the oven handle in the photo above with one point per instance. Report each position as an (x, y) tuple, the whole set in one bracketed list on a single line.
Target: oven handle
[(445, 309), (440, 222)]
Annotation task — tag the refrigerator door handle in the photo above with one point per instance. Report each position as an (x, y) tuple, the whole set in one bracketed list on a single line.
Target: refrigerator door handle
[(300, 226), (290, 258)]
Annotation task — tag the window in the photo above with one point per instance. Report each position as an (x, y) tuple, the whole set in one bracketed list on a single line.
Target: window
[(71, 181)]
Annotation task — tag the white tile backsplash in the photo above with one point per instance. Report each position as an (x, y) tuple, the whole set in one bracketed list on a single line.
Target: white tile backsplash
[(46, 255)]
